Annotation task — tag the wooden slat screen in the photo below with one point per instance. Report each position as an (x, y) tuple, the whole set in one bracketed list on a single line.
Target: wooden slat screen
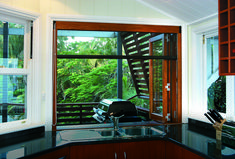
[(137, 44)]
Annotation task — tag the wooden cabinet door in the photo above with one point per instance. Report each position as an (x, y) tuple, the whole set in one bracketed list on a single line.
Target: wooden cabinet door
[(61, 153), (177, 152), (187, 154), (157, 149), (104, 151), (134, 150), (173, 151)]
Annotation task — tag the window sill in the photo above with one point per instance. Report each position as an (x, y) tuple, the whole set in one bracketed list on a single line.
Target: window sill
[(11, 127), (22, 135)]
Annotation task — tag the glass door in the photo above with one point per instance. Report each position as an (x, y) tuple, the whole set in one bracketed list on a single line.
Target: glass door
[(162, 77)]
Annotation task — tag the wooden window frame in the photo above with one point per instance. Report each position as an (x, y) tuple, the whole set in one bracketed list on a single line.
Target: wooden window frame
[(93, 26)]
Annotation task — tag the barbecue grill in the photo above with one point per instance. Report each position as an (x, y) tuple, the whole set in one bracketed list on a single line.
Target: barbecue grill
[(115, 107)]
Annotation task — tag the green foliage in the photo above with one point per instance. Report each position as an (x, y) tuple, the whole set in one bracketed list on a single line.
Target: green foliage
[(15, 84), (15, 116), (98, 84), (217, 95), (15, 45), (90, 80)]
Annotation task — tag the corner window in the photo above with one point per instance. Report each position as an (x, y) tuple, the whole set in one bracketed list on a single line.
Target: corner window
[(216, 85), (114, 62), (14, 53)]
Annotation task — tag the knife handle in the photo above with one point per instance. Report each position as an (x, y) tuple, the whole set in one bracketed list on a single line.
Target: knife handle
[(218, 114), (209, 118), (213, 116), (217, 118)]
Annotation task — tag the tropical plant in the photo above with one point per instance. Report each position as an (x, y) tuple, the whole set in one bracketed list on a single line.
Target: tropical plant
[(217, 95), (90, 80)]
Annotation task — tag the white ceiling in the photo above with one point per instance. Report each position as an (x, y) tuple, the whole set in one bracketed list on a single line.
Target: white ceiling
[(188, 11)]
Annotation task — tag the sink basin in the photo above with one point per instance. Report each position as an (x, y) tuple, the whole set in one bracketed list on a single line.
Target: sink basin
[(108, 132), (142, 131), (125, 132), (78, 135)]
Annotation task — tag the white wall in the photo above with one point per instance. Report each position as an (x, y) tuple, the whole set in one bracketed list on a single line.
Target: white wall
[(197, 88), (197, 105), (119, 11)]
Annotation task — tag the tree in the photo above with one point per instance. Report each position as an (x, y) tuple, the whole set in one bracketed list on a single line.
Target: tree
[(89, 80), (217, 95), (15, 83)]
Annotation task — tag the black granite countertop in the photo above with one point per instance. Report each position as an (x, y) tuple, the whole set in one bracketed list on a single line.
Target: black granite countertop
[(180, 134)]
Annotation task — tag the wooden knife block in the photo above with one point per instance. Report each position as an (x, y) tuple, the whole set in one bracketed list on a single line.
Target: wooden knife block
[(218, 127)]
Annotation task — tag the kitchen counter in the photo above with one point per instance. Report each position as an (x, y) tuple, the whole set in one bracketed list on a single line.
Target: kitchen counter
[(179, 134)]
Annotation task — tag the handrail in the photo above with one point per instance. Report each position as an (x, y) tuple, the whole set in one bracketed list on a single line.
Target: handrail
[(75, 113), (5, 111)]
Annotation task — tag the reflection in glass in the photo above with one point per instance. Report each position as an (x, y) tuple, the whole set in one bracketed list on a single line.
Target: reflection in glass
[(216, 85), (157, 77), (157, 48), (157, 86), (11, 45), (13, 90)]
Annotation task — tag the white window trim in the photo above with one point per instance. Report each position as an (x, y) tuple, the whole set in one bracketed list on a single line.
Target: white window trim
[(106, 19), (15, 15), (198, 100)]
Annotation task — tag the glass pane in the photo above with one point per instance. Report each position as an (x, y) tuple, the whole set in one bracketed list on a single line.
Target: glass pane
[(91, 80), (13, 90), (158, 48), (158, 86), (11, 45), (158, 75), (86, 43), (216, 85), (1, 42)]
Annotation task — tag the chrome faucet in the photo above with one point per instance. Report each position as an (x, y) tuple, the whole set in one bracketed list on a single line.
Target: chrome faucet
[(116, 122)]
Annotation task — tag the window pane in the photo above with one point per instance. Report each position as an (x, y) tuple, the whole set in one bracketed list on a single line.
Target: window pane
[(13, 90), (86, 43), (216, 85), (158, 86), (88, 80), (11, 45), (158, 48)]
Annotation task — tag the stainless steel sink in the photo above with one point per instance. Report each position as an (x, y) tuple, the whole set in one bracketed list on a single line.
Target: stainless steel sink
[(123, 132), (129, 131), (142, 131), (109, 132)]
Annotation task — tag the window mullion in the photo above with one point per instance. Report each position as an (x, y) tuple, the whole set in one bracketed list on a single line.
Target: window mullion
[(27, 44), (13, 71)]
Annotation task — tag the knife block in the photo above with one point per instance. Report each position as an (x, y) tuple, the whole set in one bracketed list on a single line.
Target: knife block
[(218, 128)]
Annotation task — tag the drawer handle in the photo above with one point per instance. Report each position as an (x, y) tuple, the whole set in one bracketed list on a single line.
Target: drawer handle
[(124, 155), (115, 155)]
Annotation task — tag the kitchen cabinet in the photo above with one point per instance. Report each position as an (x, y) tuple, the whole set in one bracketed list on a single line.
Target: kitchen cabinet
[(125, 150), (94, 151), (226, 37), (177, 152), (58, 154), (156, 149), (136, 150)]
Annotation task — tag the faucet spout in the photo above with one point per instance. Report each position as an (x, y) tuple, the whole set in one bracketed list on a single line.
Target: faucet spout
[(116, 122)]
